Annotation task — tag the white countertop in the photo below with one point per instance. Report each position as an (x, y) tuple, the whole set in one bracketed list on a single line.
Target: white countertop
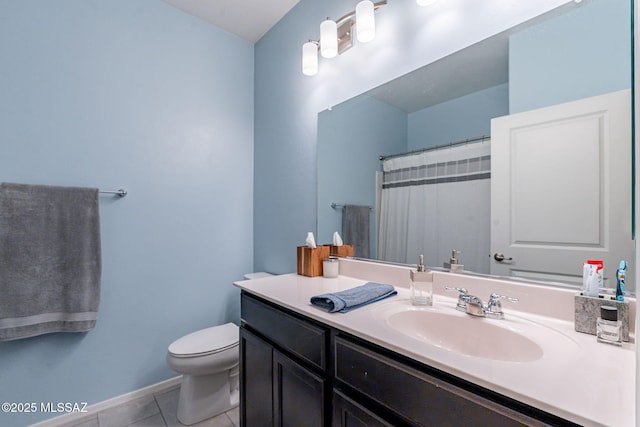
[(593, 384)]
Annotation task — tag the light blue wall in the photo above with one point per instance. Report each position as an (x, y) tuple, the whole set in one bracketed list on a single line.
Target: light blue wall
[(351, 137), (577, 55), (287, 102), (133, 94), (462, 118)]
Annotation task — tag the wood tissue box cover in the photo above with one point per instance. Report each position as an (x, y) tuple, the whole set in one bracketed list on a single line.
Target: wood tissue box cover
[(341, 251), (588, 310), (310, 260)]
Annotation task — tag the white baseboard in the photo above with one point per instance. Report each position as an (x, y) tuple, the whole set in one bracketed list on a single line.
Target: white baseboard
[(92, 410)]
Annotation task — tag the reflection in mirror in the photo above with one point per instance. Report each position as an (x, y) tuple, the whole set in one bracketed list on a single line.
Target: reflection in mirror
[(557, 58)]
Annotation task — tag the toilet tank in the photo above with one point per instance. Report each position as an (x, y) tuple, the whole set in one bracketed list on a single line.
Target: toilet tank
[(259, 275)]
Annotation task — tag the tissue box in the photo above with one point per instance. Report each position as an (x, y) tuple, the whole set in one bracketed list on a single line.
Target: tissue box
[(341, 251), (587, 310), (310, 260)]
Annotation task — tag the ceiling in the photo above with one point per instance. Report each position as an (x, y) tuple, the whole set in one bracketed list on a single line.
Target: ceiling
[(248, 19)]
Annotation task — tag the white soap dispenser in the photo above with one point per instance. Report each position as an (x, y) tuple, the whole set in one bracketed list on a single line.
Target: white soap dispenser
[(454, 267), (421, 285)]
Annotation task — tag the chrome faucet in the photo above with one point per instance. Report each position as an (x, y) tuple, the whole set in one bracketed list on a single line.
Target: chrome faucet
[(471, 304)]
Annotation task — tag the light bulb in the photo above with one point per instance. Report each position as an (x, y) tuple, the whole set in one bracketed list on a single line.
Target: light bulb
[(309, 59), (328, 39), (365, 21)]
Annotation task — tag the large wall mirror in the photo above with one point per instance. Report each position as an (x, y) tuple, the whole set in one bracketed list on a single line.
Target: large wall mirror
[(446, 109)]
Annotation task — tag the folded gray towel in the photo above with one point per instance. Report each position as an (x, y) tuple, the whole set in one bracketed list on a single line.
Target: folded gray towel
[(50, 260), (353, 298)]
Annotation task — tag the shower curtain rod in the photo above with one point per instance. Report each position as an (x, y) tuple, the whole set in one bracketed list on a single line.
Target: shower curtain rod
[(438, 147), (119, 192)]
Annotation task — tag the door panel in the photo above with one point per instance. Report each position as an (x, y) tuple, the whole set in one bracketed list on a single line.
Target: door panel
[(561, 189)]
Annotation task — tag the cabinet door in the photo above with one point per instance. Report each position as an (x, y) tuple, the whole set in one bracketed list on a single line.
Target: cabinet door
[(256, 381), (347, 413), (298, 394)]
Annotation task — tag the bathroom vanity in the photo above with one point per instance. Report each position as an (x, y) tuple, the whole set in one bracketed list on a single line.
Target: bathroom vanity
[(379, 366)]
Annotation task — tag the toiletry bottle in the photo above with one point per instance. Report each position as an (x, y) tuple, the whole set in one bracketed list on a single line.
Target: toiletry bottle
[(454, 267), (589, 280), (608, 327), (421, 285), (599, 272)]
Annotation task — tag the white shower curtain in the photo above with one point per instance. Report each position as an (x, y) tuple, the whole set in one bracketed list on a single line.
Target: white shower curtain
[(436, 201)]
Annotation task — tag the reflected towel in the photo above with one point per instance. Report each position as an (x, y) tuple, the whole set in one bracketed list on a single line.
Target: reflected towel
[(50, 260), (353, 298), (355, 229)]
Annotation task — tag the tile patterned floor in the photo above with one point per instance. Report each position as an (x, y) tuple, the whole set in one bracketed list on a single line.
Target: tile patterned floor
[(158, 410)]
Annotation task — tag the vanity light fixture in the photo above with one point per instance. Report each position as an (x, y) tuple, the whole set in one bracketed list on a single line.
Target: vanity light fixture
[(425, 2), (336, 37)]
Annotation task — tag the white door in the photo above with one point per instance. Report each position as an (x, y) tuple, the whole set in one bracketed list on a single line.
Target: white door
[(561, 189)]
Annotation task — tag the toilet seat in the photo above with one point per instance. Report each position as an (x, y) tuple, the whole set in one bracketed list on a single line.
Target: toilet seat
[(206, 341)]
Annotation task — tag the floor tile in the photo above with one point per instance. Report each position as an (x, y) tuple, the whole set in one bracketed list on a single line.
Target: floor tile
[(129, 413), (90, 422), (221, 420), (168, 404), (159, 410), (234, 415), (153, 421)]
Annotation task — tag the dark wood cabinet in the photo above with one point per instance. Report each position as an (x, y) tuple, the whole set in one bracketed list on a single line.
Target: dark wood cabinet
[(256, 380), (283, 368), (298, 394), (275, 390), (295, 371)]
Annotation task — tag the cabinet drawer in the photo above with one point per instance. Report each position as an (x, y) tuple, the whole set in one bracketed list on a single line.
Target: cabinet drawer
[(302, 338), (416, 396)]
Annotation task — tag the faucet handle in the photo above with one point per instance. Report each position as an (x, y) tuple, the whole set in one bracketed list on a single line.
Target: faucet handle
[(495, 298), (494, 307), (463, 291), (462, 301)]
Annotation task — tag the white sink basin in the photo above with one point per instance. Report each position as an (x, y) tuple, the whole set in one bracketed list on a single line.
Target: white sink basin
[(512, 339)]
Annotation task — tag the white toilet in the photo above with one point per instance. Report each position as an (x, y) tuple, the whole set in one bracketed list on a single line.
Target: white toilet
[(208, 361)]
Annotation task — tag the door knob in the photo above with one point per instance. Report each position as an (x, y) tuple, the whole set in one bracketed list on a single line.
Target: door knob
[(500, 257)]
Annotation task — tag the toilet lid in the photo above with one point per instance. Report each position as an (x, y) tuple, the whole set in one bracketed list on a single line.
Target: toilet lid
[(204, 341)]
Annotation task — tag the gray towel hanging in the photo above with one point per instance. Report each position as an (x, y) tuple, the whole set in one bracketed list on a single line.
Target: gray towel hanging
[(50, 260), (355, 229)]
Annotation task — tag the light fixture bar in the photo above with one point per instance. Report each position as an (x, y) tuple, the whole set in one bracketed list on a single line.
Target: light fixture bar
[(336, 37), (345, 36), (352, 14)]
